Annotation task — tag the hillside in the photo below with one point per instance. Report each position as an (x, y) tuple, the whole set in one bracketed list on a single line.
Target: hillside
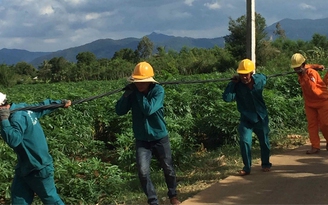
[(105, 48), (302, 29), (13, 56)]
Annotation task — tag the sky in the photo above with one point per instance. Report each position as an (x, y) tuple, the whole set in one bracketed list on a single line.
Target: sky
[(52, 25)]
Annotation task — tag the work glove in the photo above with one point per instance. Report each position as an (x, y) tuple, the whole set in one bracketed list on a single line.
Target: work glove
[(129, 89), (4, 113), (235, 78), (66, 103)]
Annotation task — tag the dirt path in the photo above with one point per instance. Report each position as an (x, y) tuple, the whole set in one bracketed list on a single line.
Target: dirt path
[(295, 178)]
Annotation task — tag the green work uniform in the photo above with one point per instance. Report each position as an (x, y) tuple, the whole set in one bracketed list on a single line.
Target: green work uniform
[(34, 172), (147, 113), (151, 136), (253, 118)]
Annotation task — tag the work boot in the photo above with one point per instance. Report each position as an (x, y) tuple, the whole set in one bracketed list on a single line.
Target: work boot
[(174, 201), (313, 151)]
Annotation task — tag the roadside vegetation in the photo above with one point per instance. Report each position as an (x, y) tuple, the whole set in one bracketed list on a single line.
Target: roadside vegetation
[(93, 148)]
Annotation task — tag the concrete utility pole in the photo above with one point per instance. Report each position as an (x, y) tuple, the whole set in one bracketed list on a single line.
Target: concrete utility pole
[(250, 34)]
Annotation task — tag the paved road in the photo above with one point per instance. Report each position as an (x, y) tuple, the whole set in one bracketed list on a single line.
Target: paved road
[(295, 178)]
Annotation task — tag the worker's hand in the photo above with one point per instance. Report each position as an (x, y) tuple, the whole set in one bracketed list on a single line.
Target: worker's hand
[(4, 112), (320, 68), (316, 67), (129, 89), (235, 78), (66, 103), (130, 86)]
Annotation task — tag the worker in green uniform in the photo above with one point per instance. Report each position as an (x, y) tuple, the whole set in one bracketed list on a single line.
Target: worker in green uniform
[(34, 173), (145, 98), (246, 89)]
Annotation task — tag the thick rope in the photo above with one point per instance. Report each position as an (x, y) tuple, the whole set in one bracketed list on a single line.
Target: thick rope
[(53, 106)]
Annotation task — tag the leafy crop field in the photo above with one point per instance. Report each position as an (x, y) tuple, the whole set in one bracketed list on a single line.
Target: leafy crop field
[(93, 148)]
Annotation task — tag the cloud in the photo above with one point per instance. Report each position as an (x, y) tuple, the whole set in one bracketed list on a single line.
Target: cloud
[(96, 16), (189, 2), (305, 6), (47, 10), (213, 6), (75, 2)]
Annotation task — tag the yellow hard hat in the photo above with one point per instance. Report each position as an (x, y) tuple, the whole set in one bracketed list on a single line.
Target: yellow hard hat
[(143, 72), (245, 66), (297, 60)]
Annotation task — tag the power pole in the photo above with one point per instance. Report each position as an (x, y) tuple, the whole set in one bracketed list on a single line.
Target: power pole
[(250, 34)]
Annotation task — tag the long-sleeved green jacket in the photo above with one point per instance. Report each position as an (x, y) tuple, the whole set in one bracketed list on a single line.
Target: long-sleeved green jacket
[(147, 113), (24, 134), (250, 102)]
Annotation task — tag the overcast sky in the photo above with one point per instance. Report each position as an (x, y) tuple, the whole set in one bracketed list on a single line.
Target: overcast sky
[(51, 25)]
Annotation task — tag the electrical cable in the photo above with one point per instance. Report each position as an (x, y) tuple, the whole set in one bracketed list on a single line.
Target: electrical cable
[(53, 106)]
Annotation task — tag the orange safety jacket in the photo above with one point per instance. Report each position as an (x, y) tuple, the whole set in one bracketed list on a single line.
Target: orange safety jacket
[(314, 89)]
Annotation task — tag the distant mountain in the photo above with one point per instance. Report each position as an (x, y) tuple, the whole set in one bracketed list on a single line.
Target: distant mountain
[(302, 29), (13, 56), (105, 48), (176, 43)]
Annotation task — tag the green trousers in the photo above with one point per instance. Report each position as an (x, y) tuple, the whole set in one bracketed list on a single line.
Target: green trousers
[(40, 182), (261, 129)]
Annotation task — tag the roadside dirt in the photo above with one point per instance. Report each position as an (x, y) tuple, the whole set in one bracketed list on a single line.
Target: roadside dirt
[(295, 178)]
